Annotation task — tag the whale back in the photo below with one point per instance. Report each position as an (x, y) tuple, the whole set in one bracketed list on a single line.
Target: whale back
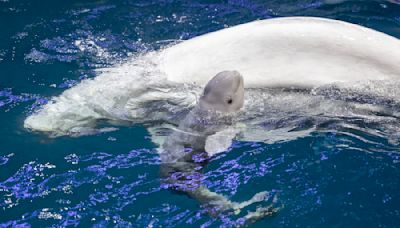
[(296, 51)]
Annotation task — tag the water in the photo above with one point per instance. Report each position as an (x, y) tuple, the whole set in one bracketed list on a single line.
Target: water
[(331, 159)]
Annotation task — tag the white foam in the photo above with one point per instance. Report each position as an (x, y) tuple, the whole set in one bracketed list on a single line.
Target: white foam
[(120, 93)]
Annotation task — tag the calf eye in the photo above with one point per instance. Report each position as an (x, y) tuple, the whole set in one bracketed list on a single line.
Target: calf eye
[(230, 101)]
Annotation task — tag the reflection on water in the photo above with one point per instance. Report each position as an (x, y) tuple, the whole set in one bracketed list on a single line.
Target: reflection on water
[(125, 188)]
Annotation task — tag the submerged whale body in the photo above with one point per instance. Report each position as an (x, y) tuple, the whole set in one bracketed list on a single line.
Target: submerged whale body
[(284, 52), (222, 98)]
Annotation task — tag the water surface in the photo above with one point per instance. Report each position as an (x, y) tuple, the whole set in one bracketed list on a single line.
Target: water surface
[(344, 171)]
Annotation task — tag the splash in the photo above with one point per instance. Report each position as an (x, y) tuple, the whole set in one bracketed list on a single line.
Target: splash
[(118, 94)]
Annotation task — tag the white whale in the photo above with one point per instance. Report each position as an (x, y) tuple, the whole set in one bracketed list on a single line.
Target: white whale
[(293, 51), (284, 52)]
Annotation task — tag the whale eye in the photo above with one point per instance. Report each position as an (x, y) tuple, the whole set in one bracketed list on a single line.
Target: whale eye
[(230, 101)]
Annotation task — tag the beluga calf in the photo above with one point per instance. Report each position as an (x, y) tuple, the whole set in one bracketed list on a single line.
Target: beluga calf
[(187, 150)]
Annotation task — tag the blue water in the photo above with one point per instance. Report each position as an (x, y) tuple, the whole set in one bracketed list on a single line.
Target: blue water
[(345, 173)]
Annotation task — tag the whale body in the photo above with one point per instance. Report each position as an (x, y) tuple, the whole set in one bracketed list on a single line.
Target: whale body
[(284, 52), (292, 51)]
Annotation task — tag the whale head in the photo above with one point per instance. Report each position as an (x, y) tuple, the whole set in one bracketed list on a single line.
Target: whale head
[(224, 92)]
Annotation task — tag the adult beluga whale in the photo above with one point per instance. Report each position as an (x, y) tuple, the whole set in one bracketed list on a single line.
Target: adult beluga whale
[(292, 51), (186, 151), (300, 52)]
